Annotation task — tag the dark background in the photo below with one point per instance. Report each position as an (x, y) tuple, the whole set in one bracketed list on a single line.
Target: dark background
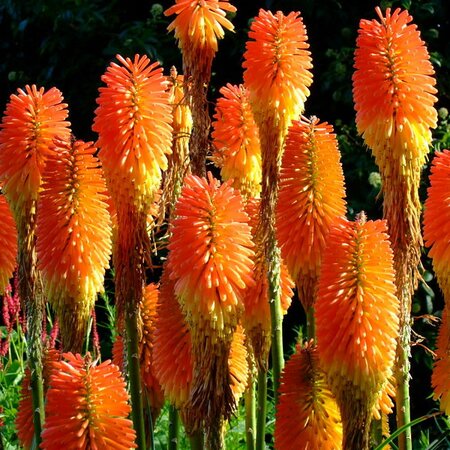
[(69, 44)]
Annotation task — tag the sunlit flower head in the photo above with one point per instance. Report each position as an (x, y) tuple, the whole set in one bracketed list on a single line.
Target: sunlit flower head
[(33, 119), (236, 140), (310, 200), (148, 318), (87, 407), (436, 219), (172, 349), (307, 415), (73, 235), (210, 253), (277, 65), (356, 309), (440, 379), (198, 26), (256, 318), (8, 244), (181, 113), (133, 120), (393, 90)]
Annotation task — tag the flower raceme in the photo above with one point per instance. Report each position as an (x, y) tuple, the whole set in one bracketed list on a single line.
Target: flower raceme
[(394, 91), (32, 120), (357, 318), (436, 219), (236, 140), (310, 200), (87, 407), (307, 415), (277, 66), (8, 244), (211, 253), (199, 25), (133, 120), (73, 235)]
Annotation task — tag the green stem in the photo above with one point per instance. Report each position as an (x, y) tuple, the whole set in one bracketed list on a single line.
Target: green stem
[(376, 432), (310, 323), (174, 428), (276, 315), (261, 410), (403, 395), (32, 296), (250, 415), (197, 440), (134, 378)]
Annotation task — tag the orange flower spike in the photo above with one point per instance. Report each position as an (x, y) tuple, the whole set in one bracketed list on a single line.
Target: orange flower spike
[(199, 25), (148, 316), (310, 200), (8, 244), (394, 91), (357, 320), (440, 379), (87, 407), (73, 235), (181, 113), (133, 120), (307, 415), (32, 120), (172, 350), (236, 140), (277, 66), (436, 219), (211, 253)]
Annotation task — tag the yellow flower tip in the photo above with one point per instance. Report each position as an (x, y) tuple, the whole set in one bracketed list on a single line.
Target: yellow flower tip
[(8, 244), (133, 120), (87, 406), (73, 234), (393, 90), (436, 218), (148, 314), (32, 120), (356, 309), (172, 349), (236, 142), (238, 363), (199, 25), (277, 65), (307, 415), (181, 113), (311, 198), (439, 378), (211, 253)]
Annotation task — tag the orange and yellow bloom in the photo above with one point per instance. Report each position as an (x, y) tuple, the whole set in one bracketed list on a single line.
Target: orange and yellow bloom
[(310, 200), (73, 235), (236, 141), (133, 120), (277, 66), (357, 320), (307, 415), (87, 406), (8, 244)]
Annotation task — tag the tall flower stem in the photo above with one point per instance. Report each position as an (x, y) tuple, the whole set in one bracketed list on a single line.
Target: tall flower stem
[(174, 428), (197, 440), (250, 415), (271, 145), (310, 323), (32, 297), (261, 410)]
